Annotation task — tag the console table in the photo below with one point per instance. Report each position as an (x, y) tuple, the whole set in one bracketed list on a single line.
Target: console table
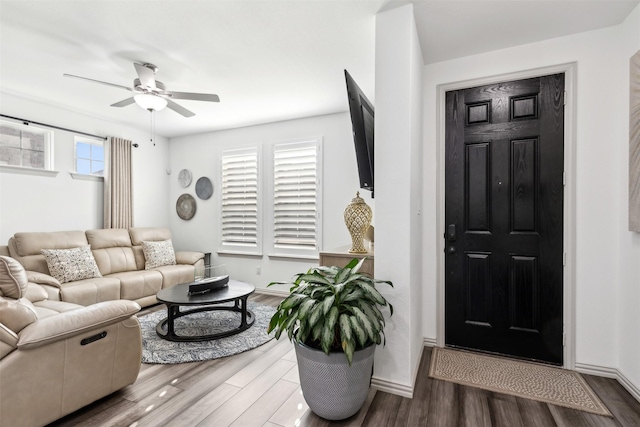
[(341, 257)]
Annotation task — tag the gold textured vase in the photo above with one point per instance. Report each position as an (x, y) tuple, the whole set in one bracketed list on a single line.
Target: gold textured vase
[(357, 217)]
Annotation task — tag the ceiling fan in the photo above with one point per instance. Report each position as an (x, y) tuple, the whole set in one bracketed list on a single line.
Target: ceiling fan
[(151, 94)]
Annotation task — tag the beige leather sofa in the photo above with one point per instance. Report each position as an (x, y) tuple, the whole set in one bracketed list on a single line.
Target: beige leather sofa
[(55, 356), (120, 259)]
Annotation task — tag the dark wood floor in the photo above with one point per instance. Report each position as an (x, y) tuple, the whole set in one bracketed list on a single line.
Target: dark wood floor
[(260, 388)]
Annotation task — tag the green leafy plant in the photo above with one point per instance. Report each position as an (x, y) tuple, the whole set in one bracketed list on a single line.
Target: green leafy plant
[(332, 309)]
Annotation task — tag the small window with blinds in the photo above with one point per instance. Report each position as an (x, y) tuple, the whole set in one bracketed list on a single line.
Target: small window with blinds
[(296, 196), (240, 198)]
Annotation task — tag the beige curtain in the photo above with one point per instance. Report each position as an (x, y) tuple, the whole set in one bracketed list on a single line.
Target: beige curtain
[(118, 194)]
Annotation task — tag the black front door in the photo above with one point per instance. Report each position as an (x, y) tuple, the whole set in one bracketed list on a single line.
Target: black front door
[(504, 218)]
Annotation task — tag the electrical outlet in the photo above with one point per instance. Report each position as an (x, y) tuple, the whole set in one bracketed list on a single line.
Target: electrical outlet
[(258, 270)]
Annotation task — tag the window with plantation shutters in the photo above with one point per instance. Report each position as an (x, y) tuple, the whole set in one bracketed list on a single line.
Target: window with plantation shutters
[(240, 218), (296, 197)]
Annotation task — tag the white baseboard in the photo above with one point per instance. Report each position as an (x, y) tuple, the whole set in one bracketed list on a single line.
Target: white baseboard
[(631, 388), (272, 292), (391, 387), (402, 389), (603, 371), (429, 342), (600, 371)]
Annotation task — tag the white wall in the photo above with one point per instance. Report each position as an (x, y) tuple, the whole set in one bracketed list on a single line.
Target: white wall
[(600, 142), (398, 188), (38, 203), (201, 155), (416, 66), (629, 245)]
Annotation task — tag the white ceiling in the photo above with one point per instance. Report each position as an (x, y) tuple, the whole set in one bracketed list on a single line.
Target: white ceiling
[(267, 60)]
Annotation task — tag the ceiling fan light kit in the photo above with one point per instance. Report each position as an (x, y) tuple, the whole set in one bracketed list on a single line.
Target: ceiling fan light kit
[(151, 94), (150, 102)]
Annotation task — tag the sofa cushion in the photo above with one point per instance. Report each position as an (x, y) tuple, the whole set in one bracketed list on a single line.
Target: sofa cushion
[(25, 247), (112, 250), (108, 238), (90, 291), (138, 284), (148, 234), (51, 308), (115, 260), (13, 278), (69, 265), (158, 254)]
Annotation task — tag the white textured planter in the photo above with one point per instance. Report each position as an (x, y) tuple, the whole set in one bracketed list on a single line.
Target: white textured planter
[(333, 389)]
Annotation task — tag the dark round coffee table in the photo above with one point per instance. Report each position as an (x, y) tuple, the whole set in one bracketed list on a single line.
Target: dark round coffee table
[(177, 296)]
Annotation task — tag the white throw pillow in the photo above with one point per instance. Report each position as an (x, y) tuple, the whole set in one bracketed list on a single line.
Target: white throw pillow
[(157, 254), (69, 265)]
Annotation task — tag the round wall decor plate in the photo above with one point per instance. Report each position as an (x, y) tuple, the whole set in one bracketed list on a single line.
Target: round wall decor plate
[(184, 177), (186, 206), (204, 188)]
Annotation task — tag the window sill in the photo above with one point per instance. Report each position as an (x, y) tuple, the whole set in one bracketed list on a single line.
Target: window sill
[(238, 253), (28, 171), (86, 177), (295, 256)]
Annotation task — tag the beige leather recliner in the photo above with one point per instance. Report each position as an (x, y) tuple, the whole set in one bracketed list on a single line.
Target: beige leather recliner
[(55, 356)]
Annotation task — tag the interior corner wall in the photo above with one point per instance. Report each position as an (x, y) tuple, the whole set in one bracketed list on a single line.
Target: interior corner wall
[(600, 141), (415, 204), (629, 250), (398, 191), (40, 203), (201, 154)]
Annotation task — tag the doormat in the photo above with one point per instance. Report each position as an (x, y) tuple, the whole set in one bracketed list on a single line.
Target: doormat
[(522, 379)]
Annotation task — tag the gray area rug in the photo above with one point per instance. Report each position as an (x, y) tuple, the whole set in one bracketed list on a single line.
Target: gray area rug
[(160, 351)]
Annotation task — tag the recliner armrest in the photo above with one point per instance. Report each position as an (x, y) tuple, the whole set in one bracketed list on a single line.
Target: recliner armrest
[(42, 279), (186, 257), (75, 322), (8, 340)]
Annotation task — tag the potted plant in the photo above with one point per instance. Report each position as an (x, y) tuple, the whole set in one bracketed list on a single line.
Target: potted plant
[(333, 317)]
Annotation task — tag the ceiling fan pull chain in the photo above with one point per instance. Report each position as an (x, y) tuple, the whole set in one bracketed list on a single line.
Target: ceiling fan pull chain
[(151, 126), (153, 118)]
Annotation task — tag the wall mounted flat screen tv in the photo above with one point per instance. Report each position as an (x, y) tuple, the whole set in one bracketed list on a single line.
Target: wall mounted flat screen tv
[(362, 120)]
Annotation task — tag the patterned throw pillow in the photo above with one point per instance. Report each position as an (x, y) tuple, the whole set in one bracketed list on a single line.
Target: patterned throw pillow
[(157, 254), (69, 265)]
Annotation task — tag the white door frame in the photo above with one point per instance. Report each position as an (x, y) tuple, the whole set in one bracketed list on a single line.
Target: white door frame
[(569, 226)]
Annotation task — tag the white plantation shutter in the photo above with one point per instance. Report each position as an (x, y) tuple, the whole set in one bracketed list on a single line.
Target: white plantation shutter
[(239, 192), (295, 196)]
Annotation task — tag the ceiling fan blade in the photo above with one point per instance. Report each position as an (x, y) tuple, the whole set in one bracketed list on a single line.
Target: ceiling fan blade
[(124, 102), (179, 109), (145, 75), (193, 96), (98, 81)]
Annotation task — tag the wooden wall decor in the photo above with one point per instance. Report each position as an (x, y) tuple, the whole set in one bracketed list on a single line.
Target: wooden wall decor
[(634, 142)]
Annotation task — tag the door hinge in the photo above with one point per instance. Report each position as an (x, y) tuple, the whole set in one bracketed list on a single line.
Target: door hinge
[(564, 259), (564, 98), (564, 178), (564, 339)]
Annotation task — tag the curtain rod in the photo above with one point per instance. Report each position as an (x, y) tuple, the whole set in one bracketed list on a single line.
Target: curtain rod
[(27, 122)]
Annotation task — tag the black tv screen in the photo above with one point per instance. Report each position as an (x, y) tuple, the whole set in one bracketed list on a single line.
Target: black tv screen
[(362, 122)]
